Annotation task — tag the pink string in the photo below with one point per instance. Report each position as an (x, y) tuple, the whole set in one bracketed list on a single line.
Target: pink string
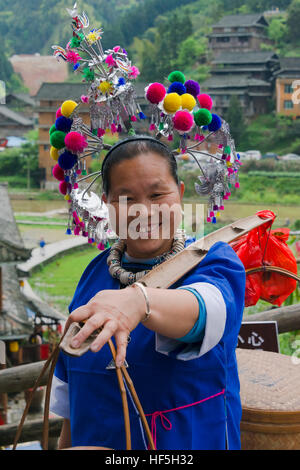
[(165, 422)]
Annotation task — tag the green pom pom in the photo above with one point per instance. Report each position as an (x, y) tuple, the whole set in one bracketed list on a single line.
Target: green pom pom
[(89, 75), (176, 76), (202, 117), (52, 129), (57, 139), (76, 41), (227, 150), (84, 173), (131, 132)]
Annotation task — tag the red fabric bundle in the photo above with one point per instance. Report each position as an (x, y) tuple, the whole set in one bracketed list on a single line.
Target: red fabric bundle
[(265, 247)]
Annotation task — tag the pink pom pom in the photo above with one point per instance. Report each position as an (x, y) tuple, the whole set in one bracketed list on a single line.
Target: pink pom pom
[(116, 48), (110, 61), (183, 121), (85, 99), (63, 187), (208, 219), (170, 138), (237, 185), (101, 246), (134, 73), (205, 101), (77, 230), (221, 208), (100, 132), (133, 118), (156, 93), (152, 127), (78, 172), (73, 57), (75, 142), (211, 214), (113, 128), (75, 186), (58, 173), (58, 113)]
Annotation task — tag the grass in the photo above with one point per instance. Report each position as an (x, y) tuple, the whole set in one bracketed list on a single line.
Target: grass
[(57, 281)]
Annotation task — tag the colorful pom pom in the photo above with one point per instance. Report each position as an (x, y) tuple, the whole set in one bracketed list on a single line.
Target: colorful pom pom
[(192, 87), (85, 99), (216, 123), (188, 102), (63, 124), (67, 160), (105, 87), (110, 61), (52, 129), (58, 113), (57, 139), (76, 142), (177, 87), (155, 93), (202, 117), (183, 121), (54, 153), (68, 107), (100, 132), (176, 76), (63, 187), (152, 127), (58, 173), (205, 101), (172, 103)]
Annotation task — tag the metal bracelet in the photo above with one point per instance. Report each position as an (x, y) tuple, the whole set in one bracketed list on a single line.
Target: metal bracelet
[(144, 292)]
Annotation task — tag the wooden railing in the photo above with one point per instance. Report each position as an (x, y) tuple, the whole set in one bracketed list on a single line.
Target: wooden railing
[(20, 378), (15, 380)]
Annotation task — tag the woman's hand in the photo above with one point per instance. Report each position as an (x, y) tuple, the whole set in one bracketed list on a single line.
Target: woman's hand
[(116, 313)]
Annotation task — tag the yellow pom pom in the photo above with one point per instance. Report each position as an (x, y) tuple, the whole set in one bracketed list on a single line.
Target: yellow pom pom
[(105, 87), (188, 102), (218, 214), (54, 153), (172, 103), (229, 164), (67, 197), (67, 108)]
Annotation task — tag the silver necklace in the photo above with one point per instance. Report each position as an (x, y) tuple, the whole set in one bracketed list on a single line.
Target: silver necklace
[(126, 277)]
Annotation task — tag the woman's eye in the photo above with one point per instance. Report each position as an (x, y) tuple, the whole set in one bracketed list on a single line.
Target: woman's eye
[(156, 195)]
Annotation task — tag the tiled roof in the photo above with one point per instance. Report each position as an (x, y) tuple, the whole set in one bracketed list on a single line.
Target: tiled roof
[(233, 81), (16, 117), (289, 65), (241, 20), (253, 57), (65, 91)]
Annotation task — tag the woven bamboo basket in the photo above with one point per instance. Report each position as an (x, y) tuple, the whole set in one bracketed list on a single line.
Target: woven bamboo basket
[(270, 395)]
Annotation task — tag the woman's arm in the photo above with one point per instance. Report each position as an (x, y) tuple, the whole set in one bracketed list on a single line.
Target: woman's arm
[(173, 314), (64, 440)]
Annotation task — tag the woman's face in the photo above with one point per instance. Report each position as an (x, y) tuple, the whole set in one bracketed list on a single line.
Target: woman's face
[(144, 202)]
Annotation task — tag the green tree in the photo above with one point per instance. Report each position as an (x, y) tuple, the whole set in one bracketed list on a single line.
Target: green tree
[(293, 21), (235, 119)]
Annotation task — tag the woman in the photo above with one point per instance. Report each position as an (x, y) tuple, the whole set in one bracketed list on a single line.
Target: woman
[(181, 356)]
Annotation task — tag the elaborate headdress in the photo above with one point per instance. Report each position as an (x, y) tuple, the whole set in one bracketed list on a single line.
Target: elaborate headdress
[(178, 109)]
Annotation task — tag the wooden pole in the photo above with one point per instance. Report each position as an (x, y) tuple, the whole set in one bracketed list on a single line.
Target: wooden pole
[(20, 378), (288, 318), (32, 431)]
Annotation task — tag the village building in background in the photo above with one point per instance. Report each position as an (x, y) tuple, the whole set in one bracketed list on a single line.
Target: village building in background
[(237, 33), (248, 75), (288, 73), (36, 69)]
